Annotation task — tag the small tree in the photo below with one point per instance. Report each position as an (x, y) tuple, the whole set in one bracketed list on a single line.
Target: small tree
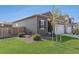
[(56, 18)]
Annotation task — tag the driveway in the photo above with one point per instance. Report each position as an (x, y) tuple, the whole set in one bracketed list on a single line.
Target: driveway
[(28, 39)]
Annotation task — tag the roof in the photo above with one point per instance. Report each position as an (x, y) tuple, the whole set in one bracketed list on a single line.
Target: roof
[(24, 18), (43, 14)]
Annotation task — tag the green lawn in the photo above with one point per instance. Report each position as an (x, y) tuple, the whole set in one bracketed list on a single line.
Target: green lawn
[(14, 46)]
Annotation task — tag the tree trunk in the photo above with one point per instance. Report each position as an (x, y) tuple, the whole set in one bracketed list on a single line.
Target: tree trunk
[(56, 38), (52, 35), (60, 38)]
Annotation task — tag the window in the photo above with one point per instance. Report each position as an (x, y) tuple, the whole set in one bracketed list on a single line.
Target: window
[(42, 24)]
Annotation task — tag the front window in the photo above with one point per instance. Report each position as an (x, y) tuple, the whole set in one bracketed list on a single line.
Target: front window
[(42, 24)]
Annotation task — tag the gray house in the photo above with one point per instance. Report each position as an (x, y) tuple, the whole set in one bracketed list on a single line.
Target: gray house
[(40, 24)]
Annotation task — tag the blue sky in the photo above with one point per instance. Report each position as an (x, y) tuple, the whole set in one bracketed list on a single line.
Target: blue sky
[(9, 13)]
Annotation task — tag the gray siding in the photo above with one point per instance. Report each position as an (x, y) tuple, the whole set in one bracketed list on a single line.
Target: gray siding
[(30, 24)]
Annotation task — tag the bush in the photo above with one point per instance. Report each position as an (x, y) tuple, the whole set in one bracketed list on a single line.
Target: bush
[(21, 34), (36, 37)]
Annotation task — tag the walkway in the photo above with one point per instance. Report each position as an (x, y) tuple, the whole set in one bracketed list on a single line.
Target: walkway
[(27, 39)]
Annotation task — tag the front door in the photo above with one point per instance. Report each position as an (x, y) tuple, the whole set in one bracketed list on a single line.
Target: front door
[(49, 27)]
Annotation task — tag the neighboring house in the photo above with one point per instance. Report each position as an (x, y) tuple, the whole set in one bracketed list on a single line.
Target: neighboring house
[(76, 25), (5, 25), (41, 24), (76, 28)]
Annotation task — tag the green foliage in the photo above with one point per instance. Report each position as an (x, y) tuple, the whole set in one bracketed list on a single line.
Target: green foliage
[(36, 37)]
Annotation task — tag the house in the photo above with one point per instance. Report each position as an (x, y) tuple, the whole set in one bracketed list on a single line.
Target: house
[(76, 28), (41, 24), (37, 24)]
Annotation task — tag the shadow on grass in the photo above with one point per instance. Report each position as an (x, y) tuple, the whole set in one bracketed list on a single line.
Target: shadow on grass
[(63, 38)]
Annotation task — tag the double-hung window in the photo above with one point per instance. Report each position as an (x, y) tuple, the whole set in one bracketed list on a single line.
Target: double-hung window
[(42, 24)]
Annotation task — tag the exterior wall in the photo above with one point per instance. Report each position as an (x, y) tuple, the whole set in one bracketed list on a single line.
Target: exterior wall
[(45, 31), (30, 24), (68, 29)]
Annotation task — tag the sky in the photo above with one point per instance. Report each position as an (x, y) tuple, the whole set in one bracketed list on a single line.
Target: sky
[(10, 13)]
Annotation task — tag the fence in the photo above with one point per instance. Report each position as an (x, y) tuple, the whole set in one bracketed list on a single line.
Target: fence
[(10, 31)]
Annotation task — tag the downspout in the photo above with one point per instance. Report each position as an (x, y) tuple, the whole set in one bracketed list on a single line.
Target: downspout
[(64, 28), (36, 25), (72, 28)]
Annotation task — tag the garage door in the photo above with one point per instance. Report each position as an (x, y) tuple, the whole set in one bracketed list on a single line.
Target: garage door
[(68, 30), (59, 29)]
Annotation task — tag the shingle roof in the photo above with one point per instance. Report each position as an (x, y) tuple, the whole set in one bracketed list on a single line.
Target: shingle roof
[(43, 14)]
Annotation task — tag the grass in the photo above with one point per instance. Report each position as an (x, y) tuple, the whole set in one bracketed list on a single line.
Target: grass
[(14, 46)]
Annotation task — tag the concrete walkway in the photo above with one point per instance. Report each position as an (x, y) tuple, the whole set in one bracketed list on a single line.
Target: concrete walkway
[(71, 35), (27, 39)]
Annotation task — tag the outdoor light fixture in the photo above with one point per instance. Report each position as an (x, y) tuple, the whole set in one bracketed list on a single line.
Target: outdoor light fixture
[(48, 19)]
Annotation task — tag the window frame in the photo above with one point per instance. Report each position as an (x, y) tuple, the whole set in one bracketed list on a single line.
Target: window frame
[(42, 24)]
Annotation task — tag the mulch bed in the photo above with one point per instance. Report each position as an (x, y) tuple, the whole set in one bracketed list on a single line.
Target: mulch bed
[(27, 39)]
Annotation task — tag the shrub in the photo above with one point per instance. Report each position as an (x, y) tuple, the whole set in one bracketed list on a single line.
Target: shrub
[(36, 37), (21, 34)]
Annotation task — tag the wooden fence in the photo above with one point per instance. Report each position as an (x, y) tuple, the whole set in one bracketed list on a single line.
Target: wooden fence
[(10, 31)]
